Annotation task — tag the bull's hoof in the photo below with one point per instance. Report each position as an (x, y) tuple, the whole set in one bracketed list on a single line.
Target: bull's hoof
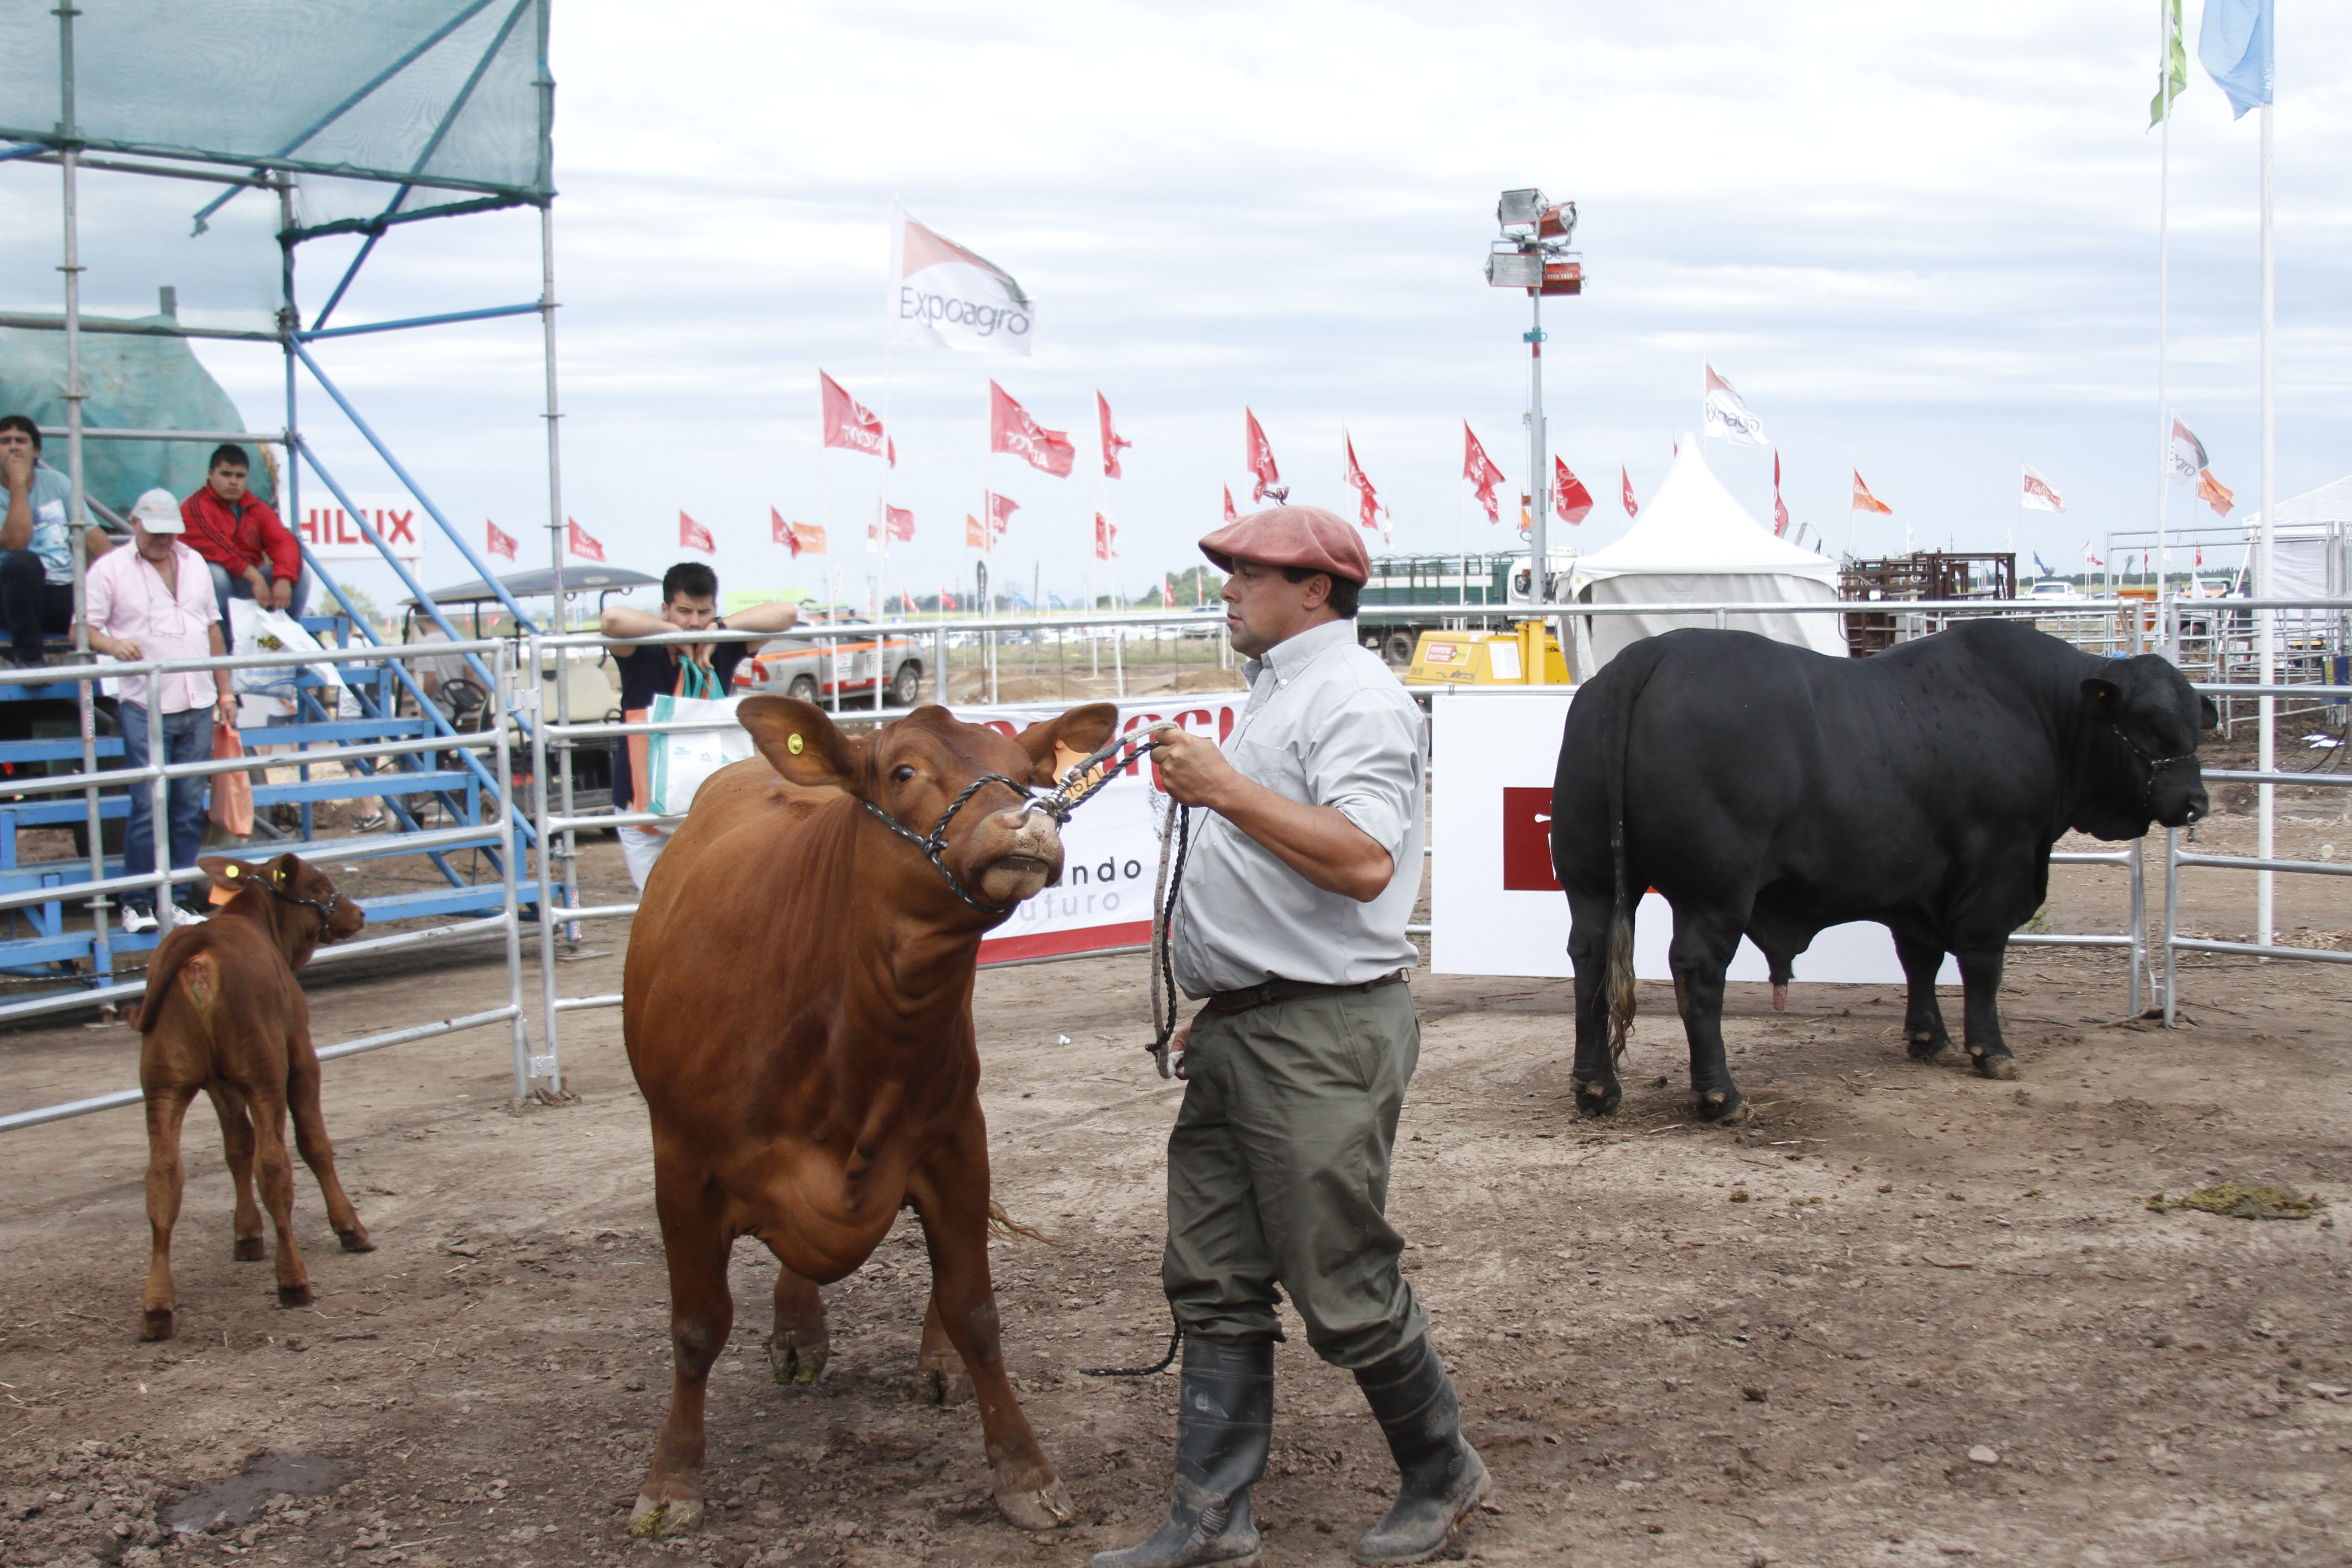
[(296, 1295), (1995, 1064), (1724, 1105), (156, 1324), (1047, 1508), (941, 1384), (649, 1519), (1599, 1098), (798, 1356), (1930, 1047), (1780, 998), (250, 1248), (355, 1240)]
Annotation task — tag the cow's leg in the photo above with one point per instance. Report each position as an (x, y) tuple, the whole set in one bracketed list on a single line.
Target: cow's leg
[(236, 1148), (310, 1140), (1593, 1079), (1981, 969), (799, 1348), (701, 1312), (273, 1172), (1700, 954), (950, 1193), (166, 1178), (939, 1375), (1923, 1015)]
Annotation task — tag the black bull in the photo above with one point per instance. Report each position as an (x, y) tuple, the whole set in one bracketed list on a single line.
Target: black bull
[(1771, 792)]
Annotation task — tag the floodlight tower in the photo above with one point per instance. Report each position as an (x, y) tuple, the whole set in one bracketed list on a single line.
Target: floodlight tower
[(1534, 255)]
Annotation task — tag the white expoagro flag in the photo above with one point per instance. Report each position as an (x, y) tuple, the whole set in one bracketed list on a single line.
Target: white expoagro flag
[(1727, 415), (945, 296)]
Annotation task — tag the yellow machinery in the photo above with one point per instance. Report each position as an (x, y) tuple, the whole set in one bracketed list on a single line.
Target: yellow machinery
[(1489, 659)]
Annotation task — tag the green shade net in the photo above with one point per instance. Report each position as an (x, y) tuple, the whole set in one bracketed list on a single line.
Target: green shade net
[(446, 95)]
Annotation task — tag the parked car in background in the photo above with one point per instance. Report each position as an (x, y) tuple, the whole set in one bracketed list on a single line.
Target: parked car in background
[(815, 671)]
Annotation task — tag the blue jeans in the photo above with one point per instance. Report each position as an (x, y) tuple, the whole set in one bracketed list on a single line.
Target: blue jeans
[(187, 738), (32, 604), (225, 588)]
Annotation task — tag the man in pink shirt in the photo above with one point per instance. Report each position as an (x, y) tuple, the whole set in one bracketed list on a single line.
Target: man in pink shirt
[(155, 601)]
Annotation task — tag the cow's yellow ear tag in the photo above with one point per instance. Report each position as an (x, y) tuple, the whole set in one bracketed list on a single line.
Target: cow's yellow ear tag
[(232, 871), (795, 744)]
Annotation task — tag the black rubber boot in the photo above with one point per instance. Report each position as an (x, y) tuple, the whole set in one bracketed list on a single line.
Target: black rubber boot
[(1443, 1477), (1224, 1424)]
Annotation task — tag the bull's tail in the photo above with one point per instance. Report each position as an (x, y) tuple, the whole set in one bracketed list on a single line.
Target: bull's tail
[(1618, 976), (1004, 1225)]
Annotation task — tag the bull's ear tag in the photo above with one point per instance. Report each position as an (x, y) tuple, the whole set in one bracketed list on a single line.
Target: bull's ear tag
[(232, 871), (796, 744)]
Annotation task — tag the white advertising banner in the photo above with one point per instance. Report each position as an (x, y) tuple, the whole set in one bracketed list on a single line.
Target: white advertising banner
[(1112, 845), (331, 536), (1496, 907), (945, 297)]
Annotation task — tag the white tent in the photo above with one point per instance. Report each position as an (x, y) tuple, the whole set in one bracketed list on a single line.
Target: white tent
[(2314, 548), (1694, 545)]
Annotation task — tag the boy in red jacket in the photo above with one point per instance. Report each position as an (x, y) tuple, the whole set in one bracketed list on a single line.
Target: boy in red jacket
[(251, 553)]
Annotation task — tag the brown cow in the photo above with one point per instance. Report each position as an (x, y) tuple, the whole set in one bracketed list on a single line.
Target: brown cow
[(798, 1010), (225, 1014)]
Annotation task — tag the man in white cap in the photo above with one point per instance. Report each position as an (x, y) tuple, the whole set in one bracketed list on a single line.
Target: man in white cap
[(154, 601), (1303, 866)]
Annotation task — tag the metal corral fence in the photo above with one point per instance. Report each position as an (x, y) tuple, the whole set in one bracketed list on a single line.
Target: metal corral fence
[(506, 835)]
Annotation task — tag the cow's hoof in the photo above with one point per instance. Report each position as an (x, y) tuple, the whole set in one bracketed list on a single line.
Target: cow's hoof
[(355, 1240), (1927, 1047), (1047, 1508), (296, 1295), (1599, 1098), (1724, 1105), (156, 1324), (650, 1519), (1995, 1064), (250, 1250), (943, 1385), (798, 1355)]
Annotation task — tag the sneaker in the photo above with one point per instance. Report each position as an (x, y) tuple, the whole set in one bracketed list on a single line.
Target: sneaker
[(138, 920), (182, 915)]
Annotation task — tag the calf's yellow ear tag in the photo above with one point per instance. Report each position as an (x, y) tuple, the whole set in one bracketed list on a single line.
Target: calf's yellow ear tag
[(795, 744), (232, 871)]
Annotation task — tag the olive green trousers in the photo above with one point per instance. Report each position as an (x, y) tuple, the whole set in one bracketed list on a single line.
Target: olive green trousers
[(1279, 1173)]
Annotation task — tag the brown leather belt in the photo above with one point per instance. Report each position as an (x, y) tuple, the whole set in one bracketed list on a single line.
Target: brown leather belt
[(1251, 996)]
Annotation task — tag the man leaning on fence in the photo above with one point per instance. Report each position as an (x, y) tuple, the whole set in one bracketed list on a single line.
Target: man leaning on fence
[(689, 604), (154, 601), (37, 544)]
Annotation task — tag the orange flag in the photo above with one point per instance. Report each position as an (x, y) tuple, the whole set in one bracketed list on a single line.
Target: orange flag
[(1864, 501)]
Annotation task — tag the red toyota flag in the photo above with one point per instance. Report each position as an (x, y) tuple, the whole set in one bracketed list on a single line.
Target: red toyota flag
[(948, 600), (1111, 439), (1106, 538), (902, 523), (784, 532), (1633, 507), (692, 535), (907, 599), (1000, 516), (847, 423), (1010, 429), (1569, 496), (1779, 507), (577, 541), (1231, 515), (501, 544), (1864, 501), (1168, 592), (1258, 459), (1368, 508), (1480, 470)]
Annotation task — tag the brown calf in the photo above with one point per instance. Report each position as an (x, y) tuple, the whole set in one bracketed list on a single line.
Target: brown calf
[(797, 1006), (225, 1014)]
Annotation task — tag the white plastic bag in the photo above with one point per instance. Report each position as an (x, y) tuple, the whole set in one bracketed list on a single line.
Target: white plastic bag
[(259, 631), (682, 759)]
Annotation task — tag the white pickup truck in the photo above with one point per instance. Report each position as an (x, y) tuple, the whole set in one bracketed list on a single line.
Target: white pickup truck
[(815, 671)]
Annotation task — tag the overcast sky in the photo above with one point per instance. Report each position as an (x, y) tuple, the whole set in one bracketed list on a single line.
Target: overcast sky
[(1920, 240)]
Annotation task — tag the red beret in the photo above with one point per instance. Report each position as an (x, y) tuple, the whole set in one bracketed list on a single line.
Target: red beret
[(1305, 536)]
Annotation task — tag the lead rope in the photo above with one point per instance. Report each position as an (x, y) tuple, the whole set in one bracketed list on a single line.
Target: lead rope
[(1178, 838)]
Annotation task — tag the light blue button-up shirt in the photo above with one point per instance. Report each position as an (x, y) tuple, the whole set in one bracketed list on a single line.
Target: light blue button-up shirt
[(1326, 723)]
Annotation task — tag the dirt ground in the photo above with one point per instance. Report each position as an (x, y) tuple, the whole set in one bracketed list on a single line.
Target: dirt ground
[(1905, 1317)]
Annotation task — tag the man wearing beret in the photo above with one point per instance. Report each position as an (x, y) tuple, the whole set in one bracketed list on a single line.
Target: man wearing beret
[(1304, 866)]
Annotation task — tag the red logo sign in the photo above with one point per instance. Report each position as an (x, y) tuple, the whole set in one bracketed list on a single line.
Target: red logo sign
[(1527, 841)]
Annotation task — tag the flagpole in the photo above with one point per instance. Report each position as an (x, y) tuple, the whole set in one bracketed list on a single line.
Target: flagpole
[(2265, 583), (882, 560), (2164, 322)]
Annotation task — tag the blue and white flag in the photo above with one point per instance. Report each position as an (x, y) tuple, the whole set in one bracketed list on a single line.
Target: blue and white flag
[(2041, 567), (2234, 46)]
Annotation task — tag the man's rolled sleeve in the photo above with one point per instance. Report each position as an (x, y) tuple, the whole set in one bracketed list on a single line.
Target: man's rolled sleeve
[(1366, 766)]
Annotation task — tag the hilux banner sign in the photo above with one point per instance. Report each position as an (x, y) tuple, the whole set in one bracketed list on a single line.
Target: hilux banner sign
[(947, 297), (1494, 904), (331, 536), (1112, 845)]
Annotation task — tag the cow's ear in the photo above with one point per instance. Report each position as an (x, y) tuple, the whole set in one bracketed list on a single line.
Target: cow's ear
[(285, 870), (2102, 694), (799, 741), (2209, 716), (230, 876), (1079, 731)]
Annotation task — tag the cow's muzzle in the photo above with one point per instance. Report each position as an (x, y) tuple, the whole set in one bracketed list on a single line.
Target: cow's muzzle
[(1020, 855)]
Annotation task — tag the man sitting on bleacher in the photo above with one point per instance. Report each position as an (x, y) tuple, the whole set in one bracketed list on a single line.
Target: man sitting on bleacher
[(35, 542), (252, 555), (155, 601)]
